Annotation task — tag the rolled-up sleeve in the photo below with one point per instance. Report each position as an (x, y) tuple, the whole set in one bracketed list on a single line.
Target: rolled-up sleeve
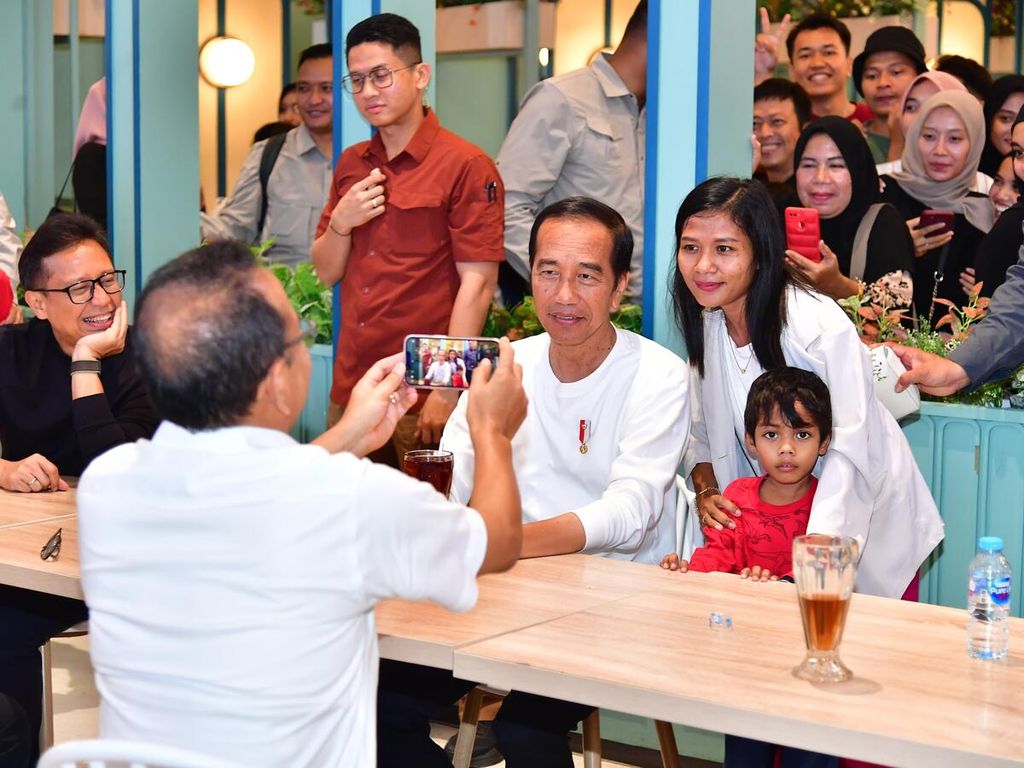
[(238, 215)]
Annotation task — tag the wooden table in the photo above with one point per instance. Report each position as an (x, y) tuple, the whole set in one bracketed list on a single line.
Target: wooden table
[(27, 521), (533, 592), (26, 508), (916, 698)]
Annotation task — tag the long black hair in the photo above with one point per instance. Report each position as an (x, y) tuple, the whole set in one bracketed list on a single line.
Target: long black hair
[(751, 208)]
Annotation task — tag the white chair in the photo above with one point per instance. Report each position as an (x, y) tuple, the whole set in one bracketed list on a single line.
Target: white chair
[(109, 753), (46, 726), (688, 532)]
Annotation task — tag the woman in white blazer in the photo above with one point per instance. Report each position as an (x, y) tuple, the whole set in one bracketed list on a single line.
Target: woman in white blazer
[(740, 314)]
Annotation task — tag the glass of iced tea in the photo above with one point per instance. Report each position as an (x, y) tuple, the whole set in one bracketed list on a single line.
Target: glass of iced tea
[(824, 568), (430, 466)]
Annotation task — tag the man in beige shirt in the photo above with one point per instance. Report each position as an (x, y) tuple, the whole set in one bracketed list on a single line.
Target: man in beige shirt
[(581, 133)]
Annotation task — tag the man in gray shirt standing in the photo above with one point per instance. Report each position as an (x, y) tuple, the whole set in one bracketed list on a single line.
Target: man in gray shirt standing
[(581, 133), (300, 178)]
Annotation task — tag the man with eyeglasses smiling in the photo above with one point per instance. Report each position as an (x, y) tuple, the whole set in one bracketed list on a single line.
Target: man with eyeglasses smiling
[(413, 228), (71, 391), (284, 181)]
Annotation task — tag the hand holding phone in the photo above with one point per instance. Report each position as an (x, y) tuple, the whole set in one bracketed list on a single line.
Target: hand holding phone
[(445, 362), (803, 232), (930, 217)]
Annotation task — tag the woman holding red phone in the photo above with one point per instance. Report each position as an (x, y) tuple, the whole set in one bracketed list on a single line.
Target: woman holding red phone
[(865, 244), (940, 161)]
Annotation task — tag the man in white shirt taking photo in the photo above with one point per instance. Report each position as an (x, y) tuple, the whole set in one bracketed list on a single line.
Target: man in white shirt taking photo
[(231, 573)]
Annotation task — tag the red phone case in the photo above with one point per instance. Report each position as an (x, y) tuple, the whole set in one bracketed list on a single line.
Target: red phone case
[(930, 216), (803, 232)]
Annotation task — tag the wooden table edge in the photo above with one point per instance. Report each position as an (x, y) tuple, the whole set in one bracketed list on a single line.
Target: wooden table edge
[(698, 713)]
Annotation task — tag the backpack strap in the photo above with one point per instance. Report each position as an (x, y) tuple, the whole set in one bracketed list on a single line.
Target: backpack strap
[(270, 152), (859, 255)]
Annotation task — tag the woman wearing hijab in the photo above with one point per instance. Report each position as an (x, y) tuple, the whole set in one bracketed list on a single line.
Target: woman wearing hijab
[(1001, 107), (1000, 248), (940, 161), (921, 88), (835, 176)]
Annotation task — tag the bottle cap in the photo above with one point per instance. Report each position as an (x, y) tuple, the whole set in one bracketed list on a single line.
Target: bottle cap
[(990, 544)]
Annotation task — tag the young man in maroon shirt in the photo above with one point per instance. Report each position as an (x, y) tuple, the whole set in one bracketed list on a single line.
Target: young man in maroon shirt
[(819, 55), (414, 226)]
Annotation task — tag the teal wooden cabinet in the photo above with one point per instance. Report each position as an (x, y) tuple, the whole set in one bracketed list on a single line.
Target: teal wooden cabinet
[(313, 420), (973, 460)]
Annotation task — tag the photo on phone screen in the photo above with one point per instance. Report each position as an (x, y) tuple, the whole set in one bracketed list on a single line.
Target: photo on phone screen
[(446, 362)]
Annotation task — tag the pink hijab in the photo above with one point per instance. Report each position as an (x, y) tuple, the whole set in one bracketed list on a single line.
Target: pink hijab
[(942, 80), (92, 123)]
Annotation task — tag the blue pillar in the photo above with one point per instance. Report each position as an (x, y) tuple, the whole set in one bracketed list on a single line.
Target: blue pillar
[(700, 65), (152, 125)]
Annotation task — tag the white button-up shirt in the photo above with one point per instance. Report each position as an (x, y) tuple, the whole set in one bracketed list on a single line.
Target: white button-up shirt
[(231, 577)]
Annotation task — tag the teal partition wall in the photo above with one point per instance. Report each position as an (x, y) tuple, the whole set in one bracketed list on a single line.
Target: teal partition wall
[(153, 132), (12, 106), (697, 77), (26, 97)]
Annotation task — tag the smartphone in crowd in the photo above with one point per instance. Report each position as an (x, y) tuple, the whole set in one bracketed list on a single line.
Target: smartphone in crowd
[(930, 216), (803, 232), (445, 362)]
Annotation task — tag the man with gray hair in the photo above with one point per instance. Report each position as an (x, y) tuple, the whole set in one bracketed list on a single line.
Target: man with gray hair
[(231, 572)]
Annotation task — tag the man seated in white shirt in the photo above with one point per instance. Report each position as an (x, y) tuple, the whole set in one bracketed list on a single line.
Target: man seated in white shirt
[(231, 573), (595, 461)]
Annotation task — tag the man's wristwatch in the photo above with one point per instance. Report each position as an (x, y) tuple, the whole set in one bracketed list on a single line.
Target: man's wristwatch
[(85, 366)]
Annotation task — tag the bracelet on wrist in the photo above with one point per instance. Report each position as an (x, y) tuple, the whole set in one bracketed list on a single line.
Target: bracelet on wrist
[(338, 232), (709, 489), (85, 366)]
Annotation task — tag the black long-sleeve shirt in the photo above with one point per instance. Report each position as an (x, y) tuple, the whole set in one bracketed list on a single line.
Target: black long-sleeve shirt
[(37, 414)]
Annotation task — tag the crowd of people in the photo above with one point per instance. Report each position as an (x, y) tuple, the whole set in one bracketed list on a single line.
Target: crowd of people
[(230, 573)]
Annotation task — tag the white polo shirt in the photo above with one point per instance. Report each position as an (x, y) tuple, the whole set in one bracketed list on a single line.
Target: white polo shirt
[(231, 577)]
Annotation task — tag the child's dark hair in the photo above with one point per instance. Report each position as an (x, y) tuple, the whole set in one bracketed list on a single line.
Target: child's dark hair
[(782, 388)]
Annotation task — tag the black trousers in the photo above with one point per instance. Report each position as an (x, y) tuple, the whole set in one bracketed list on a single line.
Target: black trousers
[(748, 753), (27, 620), (531, 731)]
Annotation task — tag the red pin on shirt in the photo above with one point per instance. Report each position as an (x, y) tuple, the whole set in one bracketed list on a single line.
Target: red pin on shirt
[(584, 435)]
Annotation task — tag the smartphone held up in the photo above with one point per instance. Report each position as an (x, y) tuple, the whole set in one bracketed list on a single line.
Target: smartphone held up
[(445, 362), (803, 232)]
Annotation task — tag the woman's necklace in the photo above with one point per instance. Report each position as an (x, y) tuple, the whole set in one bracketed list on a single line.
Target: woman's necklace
[(736, 358)]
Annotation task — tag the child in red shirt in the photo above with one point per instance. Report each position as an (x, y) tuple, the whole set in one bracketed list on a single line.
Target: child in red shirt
[(788, 425)]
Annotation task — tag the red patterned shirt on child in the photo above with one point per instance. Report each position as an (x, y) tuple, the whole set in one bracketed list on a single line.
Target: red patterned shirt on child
[(763, 535)]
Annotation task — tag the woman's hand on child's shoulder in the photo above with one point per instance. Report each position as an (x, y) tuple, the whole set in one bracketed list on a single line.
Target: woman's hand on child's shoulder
[(757, 573), (674, 563)]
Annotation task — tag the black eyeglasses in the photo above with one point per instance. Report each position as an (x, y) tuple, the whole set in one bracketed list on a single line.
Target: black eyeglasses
[(381, 77), (51, 549), (82, 292), (307, 334)]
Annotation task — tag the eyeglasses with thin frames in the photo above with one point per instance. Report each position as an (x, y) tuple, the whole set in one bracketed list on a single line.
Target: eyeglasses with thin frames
[(82, 292), (307, 334), (381, 77)]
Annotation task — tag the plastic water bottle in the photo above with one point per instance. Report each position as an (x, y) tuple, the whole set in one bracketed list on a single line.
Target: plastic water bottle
[(988, 601)]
